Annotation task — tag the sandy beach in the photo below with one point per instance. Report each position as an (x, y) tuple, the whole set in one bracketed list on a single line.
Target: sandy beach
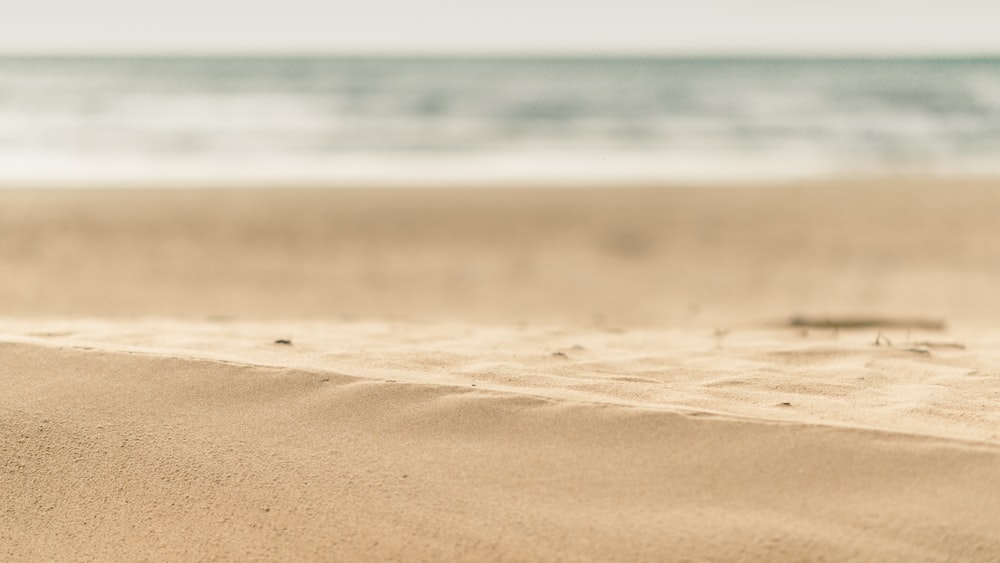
[(801, 372)]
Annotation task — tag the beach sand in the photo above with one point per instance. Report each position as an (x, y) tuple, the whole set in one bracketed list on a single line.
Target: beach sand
[(502, 374)]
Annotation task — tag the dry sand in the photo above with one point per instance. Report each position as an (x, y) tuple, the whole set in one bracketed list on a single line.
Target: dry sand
[(530, 374)]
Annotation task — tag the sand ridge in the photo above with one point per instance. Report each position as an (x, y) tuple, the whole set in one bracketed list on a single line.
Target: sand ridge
[(930, 384)]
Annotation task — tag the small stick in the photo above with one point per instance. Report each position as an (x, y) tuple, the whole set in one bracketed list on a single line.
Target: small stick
[(931, 344), (800, 321)]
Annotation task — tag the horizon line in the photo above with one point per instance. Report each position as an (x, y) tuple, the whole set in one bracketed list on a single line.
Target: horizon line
[(501, 54)]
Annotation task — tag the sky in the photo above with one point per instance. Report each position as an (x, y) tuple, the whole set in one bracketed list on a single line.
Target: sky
[(789, 27)]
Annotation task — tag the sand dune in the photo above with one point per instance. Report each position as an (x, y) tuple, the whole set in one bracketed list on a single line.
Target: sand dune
[(128, 456), (550, 375)]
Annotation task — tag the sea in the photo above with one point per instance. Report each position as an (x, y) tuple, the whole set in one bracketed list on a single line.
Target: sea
[(332, 121)]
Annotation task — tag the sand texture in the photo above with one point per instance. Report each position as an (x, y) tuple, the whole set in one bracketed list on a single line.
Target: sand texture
[(747, 374)]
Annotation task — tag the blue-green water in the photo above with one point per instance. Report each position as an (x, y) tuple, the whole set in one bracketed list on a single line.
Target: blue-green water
[(316, 120)]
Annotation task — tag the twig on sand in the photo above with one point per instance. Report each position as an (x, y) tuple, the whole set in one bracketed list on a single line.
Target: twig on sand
[(932, 344), (860, 322)]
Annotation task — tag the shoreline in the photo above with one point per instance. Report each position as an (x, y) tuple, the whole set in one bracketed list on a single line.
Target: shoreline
[(424, 179)]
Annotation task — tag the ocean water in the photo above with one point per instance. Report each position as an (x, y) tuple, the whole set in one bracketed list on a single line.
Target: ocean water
[(337, 121)]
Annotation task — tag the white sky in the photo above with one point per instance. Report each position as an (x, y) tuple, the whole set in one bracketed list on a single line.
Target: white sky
[(502, 26)]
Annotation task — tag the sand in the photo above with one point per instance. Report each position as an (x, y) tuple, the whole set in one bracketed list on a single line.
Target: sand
[(526, 374)]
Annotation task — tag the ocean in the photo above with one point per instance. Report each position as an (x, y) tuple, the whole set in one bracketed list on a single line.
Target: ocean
[(472, 121)]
